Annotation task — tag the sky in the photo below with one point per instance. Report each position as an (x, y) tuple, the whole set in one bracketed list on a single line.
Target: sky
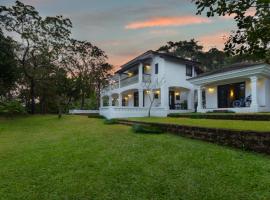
[(126, 28)]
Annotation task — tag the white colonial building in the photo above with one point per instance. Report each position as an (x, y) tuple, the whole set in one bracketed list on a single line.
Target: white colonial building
[(176, 85), (153, 77)]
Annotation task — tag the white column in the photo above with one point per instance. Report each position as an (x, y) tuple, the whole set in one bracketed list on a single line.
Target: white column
[(140, 98), (254, 93), (140, 71), (165, 96), (120, 99), (119, 80), (101, 101), (199, 93), (110, 100), (190, 99)]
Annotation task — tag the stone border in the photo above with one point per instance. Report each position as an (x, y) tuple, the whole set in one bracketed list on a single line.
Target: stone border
[(245, 140), (252, 117)]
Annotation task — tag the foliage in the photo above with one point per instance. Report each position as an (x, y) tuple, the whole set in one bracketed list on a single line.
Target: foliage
[(210, 60), (97, 116), (8, 66), (138, 128), (59, 159), (253, 23), (12, 107), (110, 121), (56, 71), (87, 64)]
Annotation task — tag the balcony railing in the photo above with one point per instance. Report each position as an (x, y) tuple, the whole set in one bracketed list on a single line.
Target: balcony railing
[(129, 81), (146, 77)]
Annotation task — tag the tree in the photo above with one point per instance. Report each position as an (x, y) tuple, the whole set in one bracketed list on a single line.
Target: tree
[(185, 49), (252, 36), (9, 72), (40, 41), (151, 87), (87, 64)]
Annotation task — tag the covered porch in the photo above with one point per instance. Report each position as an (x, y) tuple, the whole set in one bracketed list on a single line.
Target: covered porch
[(136, 102), (242, 91)]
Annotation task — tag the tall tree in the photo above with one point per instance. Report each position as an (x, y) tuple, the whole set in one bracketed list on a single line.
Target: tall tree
[(186, 49), (9, 72), (252, 36), (40, 41), (88, 65)]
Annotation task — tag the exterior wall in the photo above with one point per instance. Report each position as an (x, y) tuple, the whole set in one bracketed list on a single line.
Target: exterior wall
[(211, 97), (175, 75)]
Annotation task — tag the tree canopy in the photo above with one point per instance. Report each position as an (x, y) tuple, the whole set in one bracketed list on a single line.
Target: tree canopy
[(56, 70), (253, 25)]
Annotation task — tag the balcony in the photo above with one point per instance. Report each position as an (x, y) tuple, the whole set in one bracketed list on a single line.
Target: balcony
[(129, 81), (147, 78)]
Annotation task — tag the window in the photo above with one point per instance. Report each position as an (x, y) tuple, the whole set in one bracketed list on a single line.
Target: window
[(156, 68), (188, 70), (156, 96), (227, 94)]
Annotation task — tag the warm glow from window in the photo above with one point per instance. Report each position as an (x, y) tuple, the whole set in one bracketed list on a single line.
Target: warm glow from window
[(147, 91), (211, 90), (177, 93), (231, 94), (157, 92), (147, 67), (130, 74), (129, 96)]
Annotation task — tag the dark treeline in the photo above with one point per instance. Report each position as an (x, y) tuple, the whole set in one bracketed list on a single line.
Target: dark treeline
[(210, 60), (42, 68)]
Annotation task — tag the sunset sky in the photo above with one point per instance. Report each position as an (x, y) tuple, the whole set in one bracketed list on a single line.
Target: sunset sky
[(126, 28)]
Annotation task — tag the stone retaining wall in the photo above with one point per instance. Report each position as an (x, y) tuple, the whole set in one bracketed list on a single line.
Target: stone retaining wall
[(252, 117), (246, 140)]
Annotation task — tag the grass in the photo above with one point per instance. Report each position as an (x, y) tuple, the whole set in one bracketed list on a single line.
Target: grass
[(76, 157), (211, 123)]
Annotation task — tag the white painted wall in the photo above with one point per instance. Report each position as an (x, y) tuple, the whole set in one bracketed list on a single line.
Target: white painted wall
[(211, 97), (176, 75)]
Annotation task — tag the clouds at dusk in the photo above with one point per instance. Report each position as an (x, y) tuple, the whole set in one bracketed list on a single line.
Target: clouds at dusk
[(168, 21), (125, 29)]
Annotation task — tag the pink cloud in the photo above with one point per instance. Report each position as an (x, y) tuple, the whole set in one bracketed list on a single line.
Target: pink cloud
[(216, 40), (250, 12), (167, 21)]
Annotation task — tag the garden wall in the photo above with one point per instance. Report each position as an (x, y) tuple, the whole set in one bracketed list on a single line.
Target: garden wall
[(253, 117), (246, 140)]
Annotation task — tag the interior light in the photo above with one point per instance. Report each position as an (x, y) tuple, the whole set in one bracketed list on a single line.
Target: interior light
[(129, 96), (231, 93), (211, 90), (177, 93)]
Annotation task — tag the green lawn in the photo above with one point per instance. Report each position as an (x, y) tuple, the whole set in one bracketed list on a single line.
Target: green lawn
[(212, 123), (76, 157)]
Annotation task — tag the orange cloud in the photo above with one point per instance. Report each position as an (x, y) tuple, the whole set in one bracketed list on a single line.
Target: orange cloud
[(168, 21), (249, 12), (216, 40)]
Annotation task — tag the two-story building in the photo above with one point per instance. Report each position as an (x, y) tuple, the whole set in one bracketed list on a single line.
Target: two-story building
[(169, 84), (152, 79)]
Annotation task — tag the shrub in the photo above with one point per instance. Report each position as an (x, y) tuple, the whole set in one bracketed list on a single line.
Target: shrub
[(110, 121), (12, 107), (138, 128), (97, 116)]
